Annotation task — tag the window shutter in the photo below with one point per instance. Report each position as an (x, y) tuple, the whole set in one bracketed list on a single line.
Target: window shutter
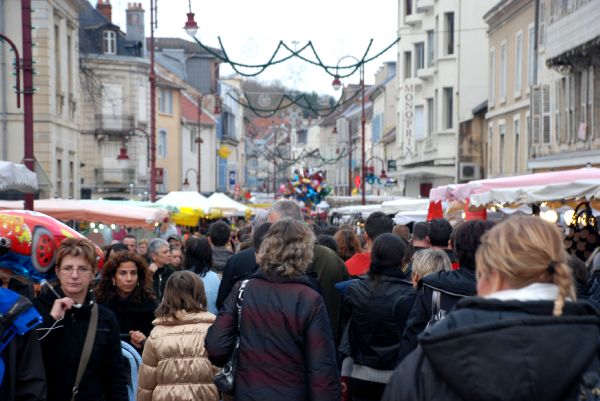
[(547, 126), (536, 114)]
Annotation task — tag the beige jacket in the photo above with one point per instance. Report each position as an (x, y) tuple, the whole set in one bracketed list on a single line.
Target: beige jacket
[(175, 365)]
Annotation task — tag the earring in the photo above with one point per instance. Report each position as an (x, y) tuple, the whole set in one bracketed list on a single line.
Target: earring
[(114, 283), (138, 284)]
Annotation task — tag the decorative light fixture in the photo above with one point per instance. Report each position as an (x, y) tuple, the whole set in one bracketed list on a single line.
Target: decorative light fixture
[(186, 183), (190, 27), (123, 157), (336, 84)]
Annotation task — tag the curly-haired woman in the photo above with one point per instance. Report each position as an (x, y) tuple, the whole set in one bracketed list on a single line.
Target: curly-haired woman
[(125, 288), (287, 350)]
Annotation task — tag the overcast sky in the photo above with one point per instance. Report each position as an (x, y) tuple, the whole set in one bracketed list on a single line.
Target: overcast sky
[(251, 29)]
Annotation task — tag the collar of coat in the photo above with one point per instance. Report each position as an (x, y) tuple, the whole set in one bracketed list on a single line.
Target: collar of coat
[(184, 317)]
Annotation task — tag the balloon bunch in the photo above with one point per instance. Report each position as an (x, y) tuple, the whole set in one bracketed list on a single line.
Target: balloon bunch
[(308, 188)]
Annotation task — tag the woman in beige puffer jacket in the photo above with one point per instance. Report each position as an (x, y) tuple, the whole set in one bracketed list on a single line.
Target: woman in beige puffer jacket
[(175, 365)]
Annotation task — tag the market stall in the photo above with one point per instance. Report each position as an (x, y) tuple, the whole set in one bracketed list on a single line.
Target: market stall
[(17, 177), (404, 205), (70, 209), (190, 207), (229, 207)]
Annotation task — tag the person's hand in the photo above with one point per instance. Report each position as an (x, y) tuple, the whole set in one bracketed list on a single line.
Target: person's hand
[(60, 306), (137, 338)]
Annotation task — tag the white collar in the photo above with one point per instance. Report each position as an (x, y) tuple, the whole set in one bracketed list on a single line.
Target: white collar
[(533, 292)]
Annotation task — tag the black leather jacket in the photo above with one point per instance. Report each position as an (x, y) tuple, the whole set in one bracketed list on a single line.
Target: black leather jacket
[(378, 308)]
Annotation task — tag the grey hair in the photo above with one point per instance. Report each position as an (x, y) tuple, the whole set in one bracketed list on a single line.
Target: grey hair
[(429, 261), (259, 219), (287, 209), (155, 244)]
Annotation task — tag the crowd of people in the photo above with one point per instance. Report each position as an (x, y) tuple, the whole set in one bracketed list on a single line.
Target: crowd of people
[(301, 311)]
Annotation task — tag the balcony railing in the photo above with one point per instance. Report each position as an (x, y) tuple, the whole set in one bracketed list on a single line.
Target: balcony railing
[(110, 122), (115, 177)]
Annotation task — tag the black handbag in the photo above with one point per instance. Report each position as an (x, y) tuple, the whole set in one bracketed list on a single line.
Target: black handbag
[(225, 377)]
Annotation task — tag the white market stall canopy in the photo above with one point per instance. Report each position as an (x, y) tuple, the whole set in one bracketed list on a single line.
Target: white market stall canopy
[(404, 205), (17, 177), (364, 210), (185, 199), (228, 206), (70, 209), (412, 216)]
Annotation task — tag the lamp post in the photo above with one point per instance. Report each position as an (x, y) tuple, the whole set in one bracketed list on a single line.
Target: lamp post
[(152, 104), (337, 84)]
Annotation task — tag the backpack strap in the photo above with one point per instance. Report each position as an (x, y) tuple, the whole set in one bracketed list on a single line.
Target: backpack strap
[(87, 349)]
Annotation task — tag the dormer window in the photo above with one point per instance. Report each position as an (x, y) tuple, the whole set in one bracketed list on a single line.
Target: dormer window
[(109, 42)]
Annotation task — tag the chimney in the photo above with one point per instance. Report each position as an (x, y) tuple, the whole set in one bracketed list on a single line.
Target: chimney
[(104, 7), (135, 25)]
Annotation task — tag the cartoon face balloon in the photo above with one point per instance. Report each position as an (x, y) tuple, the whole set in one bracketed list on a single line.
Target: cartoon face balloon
[(29, 240)]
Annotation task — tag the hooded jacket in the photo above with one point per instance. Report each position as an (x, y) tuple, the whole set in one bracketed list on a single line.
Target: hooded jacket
[(159, 281), (286, 349), (453, 286), (220, 256), (104, 378), (488, 349), (175, 364), (378, 309)]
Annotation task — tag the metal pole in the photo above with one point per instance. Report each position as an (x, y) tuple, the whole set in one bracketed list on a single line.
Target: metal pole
[(29, 158), (275, 165), (349, 159), (199, 139), (152, 106), (363, 120)]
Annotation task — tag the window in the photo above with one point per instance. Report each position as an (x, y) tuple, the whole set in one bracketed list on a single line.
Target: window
[(518, 64), (536, 111), (408, 7), (448, 108), (430, 48), (530, 56), (165, 101), (430, 116), (303, 136), (407, 65), (109, 42), (59, 176), (542, 24), (449, 33), (419, 56), (502, 133), (517, 137), (492, 78), (419, 122), (488, 156), (503, 72), (162, 143)]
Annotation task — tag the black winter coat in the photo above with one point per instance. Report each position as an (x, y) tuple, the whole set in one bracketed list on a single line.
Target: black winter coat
[(239, 266), (286, 350), (453, 286), (104, 378), (159, 280), (504, 351), (132, 316), (378, 310)]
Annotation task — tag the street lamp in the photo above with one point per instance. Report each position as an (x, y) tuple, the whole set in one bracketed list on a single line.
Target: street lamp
[(337, 84), (190, 27), (186, 182), (152, 79)]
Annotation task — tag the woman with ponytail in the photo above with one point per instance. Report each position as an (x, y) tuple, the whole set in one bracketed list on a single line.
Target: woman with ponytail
[(524, 338), (378, 307)]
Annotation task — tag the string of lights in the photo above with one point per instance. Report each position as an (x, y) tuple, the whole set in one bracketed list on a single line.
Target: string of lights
[(301, 101), (273, 60)]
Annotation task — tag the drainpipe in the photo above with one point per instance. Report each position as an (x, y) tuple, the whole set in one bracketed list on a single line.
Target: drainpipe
[(457, 31), (3, 100)]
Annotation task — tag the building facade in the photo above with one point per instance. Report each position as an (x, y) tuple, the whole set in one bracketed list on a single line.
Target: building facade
[(56, 105), (565, 100), (511, 67), (115, 97), (442, 77)]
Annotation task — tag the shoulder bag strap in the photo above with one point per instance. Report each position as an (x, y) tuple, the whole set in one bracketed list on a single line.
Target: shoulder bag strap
[(87, 349)]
